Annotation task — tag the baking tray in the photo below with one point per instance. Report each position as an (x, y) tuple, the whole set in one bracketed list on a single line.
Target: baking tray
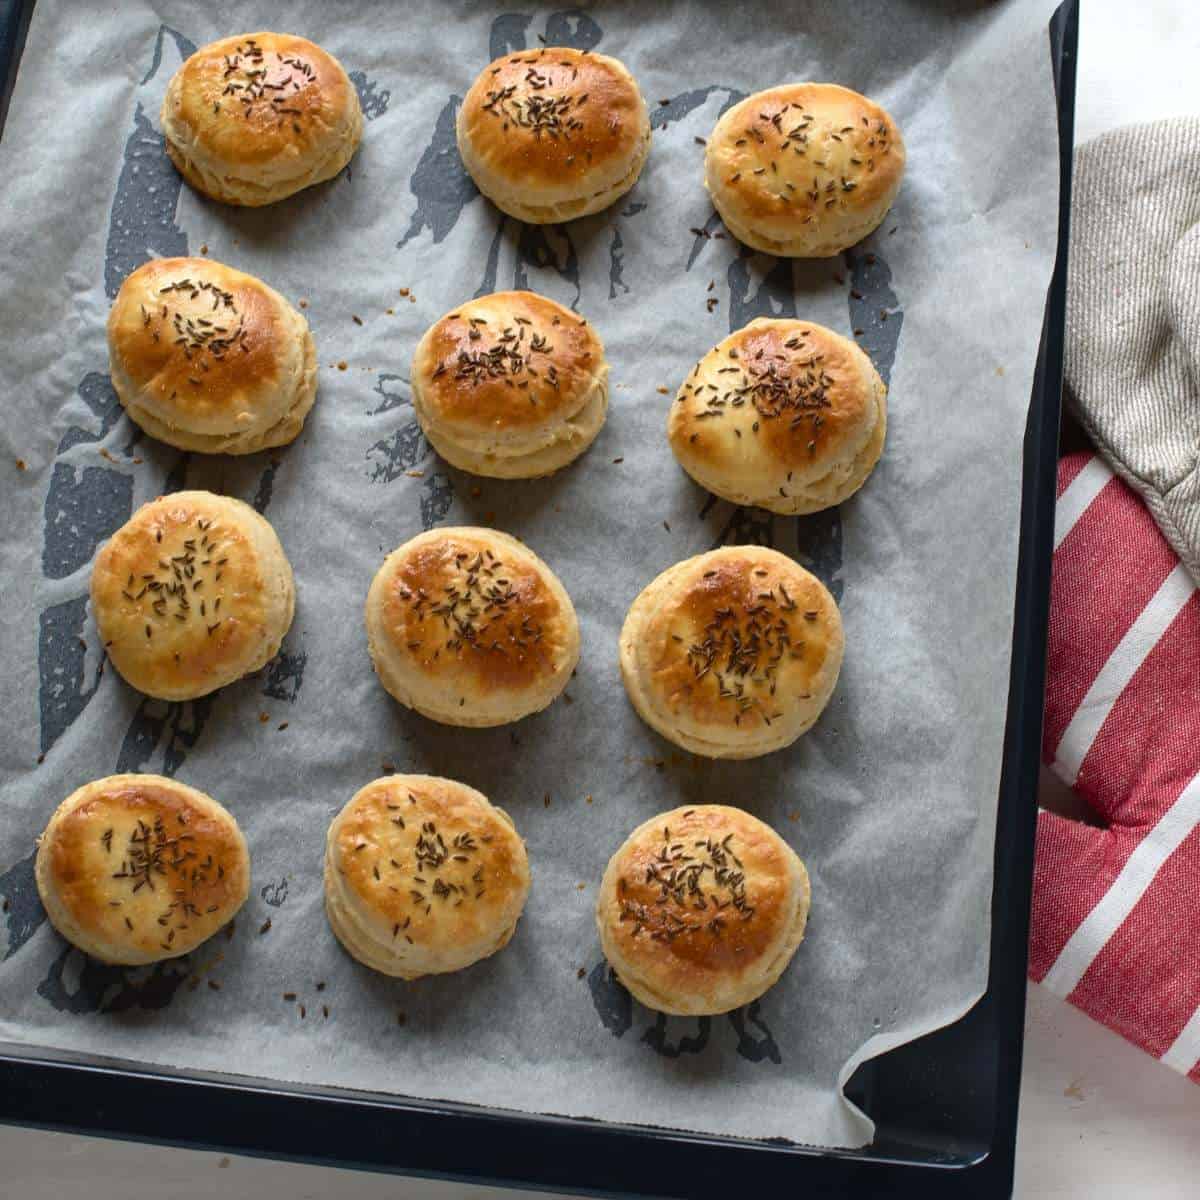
[(944, 1106)]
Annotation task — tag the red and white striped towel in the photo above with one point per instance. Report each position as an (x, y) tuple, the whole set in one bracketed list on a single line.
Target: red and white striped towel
[(1116, 907)]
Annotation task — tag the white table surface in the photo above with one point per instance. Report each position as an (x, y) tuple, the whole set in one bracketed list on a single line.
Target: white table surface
[(1098, 1117)]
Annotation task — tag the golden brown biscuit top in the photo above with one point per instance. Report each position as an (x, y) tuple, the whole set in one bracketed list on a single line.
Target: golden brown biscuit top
[(142, 862), (510, 360), (201, 339), (798, 152), (258, 97), (699, 892), (456, 608), (430, 858), (791, 390), (551, 115), (735, 635), (179, 590)]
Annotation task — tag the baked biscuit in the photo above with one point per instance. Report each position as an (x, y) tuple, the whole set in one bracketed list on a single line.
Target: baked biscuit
[(701, 910), (255, 118), (469, 627), (554, 133), (423, 876), (137, 868), (783, 414), (191, 593), (733, 653), (804, 170), (510, 385), (206, 358)]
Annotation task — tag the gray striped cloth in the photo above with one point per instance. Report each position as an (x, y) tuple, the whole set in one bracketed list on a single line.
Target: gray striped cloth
[(1133, 316)]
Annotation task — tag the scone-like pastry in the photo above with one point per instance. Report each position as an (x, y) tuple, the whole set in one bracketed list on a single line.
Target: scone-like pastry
[(510, 385), (469, 627), (733, 653), (701, 910), (423, 876), (255, 118), (207, 358), (787, 415), (554, 133), (191, 593), (804, 170), (136, 868)]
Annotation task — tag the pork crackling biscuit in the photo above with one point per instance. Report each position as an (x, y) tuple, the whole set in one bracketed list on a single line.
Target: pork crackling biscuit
[(255, 118), (554, 133), (782, 414), (804, 170), (423, 876), (469, 627), (137, 868), (208, 358), (732, 654), (701, 910), (191, 593), (510, 385)]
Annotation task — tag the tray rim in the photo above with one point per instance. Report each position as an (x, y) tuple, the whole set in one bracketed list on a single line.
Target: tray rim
[(441, 1139)]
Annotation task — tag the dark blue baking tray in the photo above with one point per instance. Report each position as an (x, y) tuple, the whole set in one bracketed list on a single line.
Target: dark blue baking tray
[(945, 1106)]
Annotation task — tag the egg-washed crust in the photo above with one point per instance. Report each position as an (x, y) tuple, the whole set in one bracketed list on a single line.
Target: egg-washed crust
[(783, 414), (510, 384), (252, 119), (208, 358), (804, 169), (701, 910), (469, 627), (554, 133), (191, 593), (733, 653), (137, 868), (423, 876)]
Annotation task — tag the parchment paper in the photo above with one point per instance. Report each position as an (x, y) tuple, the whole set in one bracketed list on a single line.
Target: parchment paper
[(890, 800)]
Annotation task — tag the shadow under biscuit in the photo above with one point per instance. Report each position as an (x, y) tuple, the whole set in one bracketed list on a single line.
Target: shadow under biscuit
[(516, 506), (491, 759), (22, 911), (676, 1037), (273, 226), (431, 1005), (78, 984)]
